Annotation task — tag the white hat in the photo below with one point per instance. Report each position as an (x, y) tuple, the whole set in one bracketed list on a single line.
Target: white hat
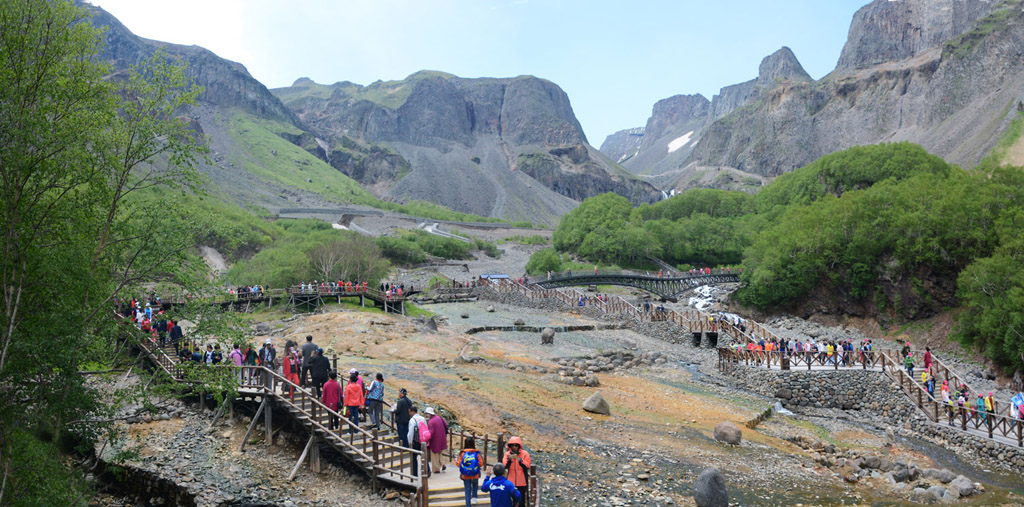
[(353, 370), (269, 342), (430, 410)]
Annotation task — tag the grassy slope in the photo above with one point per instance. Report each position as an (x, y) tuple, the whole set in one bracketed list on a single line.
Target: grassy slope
[(390, 94)]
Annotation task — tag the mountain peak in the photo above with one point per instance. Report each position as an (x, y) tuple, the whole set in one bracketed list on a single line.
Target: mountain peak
[(891, 30), (781, 65), (303, 81)]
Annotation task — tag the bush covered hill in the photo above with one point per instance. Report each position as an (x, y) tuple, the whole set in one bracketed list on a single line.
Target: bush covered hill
[(889, 232)]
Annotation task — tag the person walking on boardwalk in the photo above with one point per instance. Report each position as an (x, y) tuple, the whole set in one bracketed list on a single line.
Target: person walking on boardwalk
[(308, 349), (237, 358), (415, 421), (981, 407), (400, 412), (438, 439), (290, 366), (908, 361), (503, 492), (517, 462), (175, 335), (354, 400), (319, 367), (332, 399), (928, 359), (375, 400), (469, 464), (268, 354)]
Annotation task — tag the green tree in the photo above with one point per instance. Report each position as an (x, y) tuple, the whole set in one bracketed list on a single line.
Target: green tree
[(76, 147), (544, 260)]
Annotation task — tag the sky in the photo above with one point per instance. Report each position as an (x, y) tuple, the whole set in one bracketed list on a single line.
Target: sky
[(614, 59)]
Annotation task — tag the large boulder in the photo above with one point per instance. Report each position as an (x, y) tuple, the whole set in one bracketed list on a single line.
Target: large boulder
[(262, 328), (519, 322), (962, 485), (547, 336), (728, 433), (490, 308), (709, 490), (945, 476), (596, 404)]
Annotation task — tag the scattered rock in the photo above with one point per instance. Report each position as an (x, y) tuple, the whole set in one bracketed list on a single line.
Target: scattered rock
[(728, 433), (490, 308), (262, 328), (963, 485), (596, 404), (465, 315), (547, 336), (519, 322), (709, 489)]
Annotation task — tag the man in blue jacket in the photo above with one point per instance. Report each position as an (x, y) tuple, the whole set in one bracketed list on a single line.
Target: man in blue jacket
[(503, 492)]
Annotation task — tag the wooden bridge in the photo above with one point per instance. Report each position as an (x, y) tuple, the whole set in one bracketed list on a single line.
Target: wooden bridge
[(689, 320), (297, 296), (667, 289), (377, 453), (998, 425)]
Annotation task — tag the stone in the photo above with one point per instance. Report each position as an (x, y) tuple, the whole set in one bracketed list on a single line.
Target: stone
[(519, 322), (873, 462), (963, 485), (547, 336), (465, 315), (596, 404), (709, 489), (391, 495), (728, 433), (901, 475), (885, 465), (937, 492), (643, 477), (490, 308), (945, 476), (262, 328), (785, 393)]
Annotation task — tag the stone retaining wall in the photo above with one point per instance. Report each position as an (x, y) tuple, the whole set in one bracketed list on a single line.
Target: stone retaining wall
[(845, 390)]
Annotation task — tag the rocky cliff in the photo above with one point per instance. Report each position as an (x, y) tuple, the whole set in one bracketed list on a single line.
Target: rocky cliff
[(498, 147), (945, 74)]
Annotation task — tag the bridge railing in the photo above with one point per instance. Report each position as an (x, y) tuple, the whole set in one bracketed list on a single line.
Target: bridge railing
[(778, 359), (563, 275)]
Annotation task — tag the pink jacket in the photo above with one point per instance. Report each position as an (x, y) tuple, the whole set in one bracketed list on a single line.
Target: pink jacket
[(438, 434)]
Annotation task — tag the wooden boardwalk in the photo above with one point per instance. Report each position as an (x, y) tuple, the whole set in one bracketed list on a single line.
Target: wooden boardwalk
[(297, 296), (377, 453), (665, 288)]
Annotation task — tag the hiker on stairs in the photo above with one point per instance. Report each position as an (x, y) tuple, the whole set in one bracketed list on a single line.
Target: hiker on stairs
[(438, 440), (400, 412), (332, 399), (354, 400), (469, 464), (517, 462), (503, 492), (415, 420)]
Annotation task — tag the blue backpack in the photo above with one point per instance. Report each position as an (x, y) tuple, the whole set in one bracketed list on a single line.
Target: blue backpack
[(470, 464)]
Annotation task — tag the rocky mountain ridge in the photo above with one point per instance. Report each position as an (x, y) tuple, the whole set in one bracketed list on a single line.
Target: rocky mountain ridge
[(944, 74), (507, 147)]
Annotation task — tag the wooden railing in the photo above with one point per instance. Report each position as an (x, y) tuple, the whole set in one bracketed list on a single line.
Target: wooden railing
[(840, 359), (691, 319)]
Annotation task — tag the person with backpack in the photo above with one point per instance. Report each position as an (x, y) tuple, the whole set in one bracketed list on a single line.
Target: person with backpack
[(469, 463), (308, 350), (267, 355), (503, 492), (438, 440), (417, 430), (175, 335), (319, 367), (375, 400), (290, 367), (517, 463)]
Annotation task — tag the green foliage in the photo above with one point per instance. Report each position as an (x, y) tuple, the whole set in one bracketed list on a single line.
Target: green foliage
[(535, 239), (710, 202), (401, 251), (852, 169), (998, 154), (544, 260), (307, 250), (38, 476)]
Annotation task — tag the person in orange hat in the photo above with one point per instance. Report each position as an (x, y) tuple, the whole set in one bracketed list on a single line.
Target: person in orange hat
[(517, 463)]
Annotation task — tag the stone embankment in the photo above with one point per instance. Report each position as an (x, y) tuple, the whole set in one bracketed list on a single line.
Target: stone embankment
[(922, 485), (846, 390)]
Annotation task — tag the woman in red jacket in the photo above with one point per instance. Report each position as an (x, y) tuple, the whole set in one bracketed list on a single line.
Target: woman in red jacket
[(332, 398), (354, 400)]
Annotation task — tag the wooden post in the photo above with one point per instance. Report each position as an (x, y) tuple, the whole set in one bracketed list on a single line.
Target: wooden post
[(252, 425), (268, 413), (302, 458), (314, 456)]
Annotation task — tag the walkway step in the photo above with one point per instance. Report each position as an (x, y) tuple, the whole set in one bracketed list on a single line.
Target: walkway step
[(460, 502)]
